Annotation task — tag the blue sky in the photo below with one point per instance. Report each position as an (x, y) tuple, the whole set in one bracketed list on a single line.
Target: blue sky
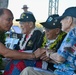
[(38, 7)]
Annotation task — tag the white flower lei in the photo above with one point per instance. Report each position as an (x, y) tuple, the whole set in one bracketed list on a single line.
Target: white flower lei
[(29, 36)]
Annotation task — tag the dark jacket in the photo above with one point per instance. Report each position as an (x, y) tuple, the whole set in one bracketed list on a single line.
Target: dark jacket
[(33, 43), (50, 65)]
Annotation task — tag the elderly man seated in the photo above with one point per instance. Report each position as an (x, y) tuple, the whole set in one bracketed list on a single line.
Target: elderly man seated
[(65, 57), (55, 37)]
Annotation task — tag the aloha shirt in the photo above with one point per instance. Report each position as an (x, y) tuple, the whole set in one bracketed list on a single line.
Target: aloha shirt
[(69, 66)]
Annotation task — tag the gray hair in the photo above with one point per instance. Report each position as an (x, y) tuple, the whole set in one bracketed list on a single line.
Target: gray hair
[(74, 21)]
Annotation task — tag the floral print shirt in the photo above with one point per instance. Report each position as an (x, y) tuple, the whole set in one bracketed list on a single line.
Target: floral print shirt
[(68, 51)]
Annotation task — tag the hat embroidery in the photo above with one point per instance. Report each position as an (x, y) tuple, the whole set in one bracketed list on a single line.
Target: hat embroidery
[(30, 43), (23, 16), (50, 19), (53, 23), (26, 16), (56, 20)]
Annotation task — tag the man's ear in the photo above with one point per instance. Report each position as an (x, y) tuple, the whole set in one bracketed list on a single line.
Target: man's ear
[(57, 30), (70, 20), (31, 24)]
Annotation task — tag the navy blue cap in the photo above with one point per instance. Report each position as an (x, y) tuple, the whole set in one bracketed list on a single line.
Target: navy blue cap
[(52, 22), (26, 17), (71, 11)]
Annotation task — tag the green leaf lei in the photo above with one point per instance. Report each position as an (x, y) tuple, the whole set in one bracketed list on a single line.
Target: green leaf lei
[(58, 40), (44, 41), (2, 40), (54, 44)]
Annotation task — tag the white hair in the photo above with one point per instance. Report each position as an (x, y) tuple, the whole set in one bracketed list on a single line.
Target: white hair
[(74, 21)]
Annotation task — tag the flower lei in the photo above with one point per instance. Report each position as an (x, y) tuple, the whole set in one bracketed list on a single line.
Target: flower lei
[(60, 37), (22, 46), (44, 41), (53, 45)]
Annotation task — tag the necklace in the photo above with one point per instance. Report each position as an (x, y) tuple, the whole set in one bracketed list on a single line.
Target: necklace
[(22, 46), (53, 45), (58, 40)]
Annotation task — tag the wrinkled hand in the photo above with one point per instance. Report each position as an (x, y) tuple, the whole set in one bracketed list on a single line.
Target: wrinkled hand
[(39, 52), (44, 57), (52, 55), (49, 52), (57, 58)]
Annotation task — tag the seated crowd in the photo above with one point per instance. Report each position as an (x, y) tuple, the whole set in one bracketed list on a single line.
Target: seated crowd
[(65, 58), (51, 52)]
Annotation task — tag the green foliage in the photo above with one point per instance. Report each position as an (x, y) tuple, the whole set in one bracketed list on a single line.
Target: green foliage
[(59, 38), (54, 44), (1, 65), (0, 61), (2, 37), (1, 73), (2, 40)]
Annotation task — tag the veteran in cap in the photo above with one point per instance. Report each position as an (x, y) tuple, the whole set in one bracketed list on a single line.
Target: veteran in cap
[(28, 43)]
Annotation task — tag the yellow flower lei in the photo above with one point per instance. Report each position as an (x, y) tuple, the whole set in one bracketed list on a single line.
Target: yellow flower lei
[(44, 42), (60, 37), (53, 45)]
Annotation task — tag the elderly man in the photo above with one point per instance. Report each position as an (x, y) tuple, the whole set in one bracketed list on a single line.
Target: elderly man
[(6, 21), (65, 57), (55, 36), (29, 42)]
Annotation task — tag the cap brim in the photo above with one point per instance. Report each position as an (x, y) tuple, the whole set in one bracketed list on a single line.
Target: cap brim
[(45, 24), (42, 23), (24, 20), (60, 18), (21, 20), (18, 19), (25, 7)]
